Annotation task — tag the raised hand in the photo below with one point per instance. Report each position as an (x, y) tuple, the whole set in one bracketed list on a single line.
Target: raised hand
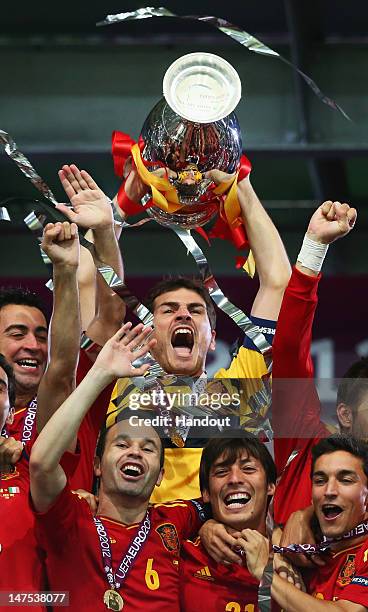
[(91, 207), (116, 357), (61, 244), (332, 220)]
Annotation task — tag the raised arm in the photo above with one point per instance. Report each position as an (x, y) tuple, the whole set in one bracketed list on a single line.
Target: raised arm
[(115, 360), (271, 260), (331, 221), (292, 343), (61, 244), (295, 403), (92, 209)]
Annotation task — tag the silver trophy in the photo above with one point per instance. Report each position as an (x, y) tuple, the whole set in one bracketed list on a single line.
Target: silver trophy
[(192, 130)]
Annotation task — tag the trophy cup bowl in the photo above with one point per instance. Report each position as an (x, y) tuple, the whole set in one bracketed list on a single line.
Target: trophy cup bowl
[(192, 130)]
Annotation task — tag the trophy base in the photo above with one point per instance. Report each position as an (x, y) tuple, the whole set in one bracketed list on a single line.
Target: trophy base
[(185, 220)]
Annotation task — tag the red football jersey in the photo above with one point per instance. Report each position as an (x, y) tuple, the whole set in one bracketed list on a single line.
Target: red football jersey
[(87, 434), (21, 560), (205, 584), (345, 577), (21, 567), (68, 535)]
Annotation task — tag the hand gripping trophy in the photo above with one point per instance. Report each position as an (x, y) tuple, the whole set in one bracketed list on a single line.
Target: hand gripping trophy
[(189, 153)]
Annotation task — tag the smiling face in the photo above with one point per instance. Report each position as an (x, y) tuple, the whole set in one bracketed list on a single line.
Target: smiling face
[(238, 492), (130, 465), (340, 492), (23, 342), (183, 332)]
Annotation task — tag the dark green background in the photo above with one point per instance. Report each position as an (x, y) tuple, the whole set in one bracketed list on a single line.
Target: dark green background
[(66, 85)]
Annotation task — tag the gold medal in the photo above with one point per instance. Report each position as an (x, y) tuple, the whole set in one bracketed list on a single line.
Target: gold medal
[(113, 600)]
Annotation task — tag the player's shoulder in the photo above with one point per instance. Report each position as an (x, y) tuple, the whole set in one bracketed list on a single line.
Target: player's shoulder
[(179, 507), (170, 507), (247, 363)]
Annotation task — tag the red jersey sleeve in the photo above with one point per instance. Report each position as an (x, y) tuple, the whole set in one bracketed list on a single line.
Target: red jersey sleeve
[(188, 516), (196, 516), (293, 336), (295, 402)]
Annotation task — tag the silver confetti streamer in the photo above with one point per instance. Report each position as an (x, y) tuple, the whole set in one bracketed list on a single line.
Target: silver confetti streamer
[(45, 258), (264, 590), (143, 13), (4, 215), (240, 36), (25, 166), (35, 224)]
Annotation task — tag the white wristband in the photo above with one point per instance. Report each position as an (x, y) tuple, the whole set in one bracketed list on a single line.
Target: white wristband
[(312, 254)]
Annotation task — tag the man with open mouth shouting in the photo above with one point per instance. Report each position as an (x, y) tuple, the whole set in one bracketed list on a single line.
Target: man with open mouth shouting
[(340, 501), (185, 320)]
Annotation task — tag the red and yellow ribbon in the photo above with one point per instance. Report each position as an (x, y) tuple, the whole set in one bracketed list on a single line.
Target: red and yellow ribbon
[(229, 225)]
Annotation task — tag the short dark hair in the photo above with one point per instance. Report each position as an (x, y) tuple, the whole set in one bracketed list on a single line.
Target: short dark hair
[(183, 282), (124, 415), (353, 385), (341, 442), (11, 379), (21, 297), (231, 449)]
